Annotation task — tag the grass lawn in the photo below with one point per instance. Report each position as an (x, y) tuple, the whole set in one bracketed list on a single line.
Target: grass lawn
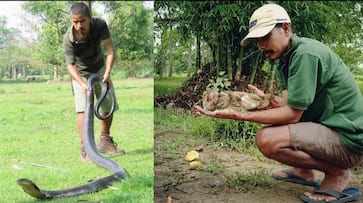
[(38, 124), (168, 85)]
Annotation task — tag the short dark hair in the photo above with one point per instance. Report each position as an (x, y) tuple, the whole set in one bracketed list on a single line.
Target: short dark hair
[(278, 25), (80, 8)]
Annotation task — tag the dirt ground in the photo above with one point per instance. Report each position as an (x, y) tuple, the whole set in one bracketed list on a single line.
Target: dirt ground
[(174, 182)]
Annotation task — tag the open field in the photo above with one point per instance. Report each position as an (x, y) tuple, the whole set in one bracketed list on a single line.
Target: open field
[(38, 124)]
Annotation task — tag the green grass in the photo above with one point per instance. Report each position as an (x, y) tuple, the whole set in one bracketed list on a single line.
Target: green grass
[(248, 181), (168, 85), (38, 124), (222, 132)]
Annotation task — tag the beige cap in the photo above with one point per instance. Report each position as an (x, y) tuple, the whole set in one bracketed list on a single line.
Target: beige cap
[(263, 20)]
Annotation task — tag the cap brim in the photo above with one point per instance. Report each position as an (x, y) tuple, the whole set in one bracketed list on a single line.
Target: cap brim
[(256, 33)]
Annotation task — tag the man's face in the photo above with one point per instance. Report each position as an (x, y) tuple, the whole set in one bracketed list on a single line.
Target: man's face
[(274, 44), (81, 24)]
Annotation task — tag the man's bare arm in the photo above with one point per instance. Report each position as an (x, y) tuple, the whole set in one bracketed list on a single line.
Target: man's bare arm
[(109, 59)]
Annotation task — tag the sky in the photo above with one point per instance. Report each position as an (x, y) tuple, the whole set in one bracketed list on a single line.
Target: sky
[(12, 10)]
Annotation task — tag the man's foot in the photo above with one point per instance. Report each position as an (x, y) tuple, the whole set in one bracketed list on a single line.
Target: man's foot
[(337, 182), (84, 156), (297, 175), (107, 145)]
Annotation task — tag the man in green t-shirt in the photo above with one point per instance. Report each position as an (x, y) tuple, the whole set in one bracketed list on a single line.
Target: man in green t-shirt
[(84, 57), (317, 123)]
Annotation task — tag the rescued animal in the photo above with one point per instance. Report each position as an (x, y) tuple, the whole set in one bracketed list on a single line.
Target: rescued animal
[(213, 99)]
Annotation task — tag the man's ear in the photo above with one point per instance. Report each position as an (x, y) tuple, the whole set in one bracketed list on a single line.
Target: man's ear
[(286, 27)]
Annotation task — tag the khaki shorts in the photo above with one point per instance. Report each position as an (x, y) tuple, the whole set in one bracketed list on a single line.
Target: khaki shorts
[(323, 143), (80, 97)]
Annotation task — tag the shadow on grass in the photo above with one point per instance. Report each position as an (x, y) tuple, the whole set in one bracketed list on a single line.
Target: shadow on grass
[(140, 151)]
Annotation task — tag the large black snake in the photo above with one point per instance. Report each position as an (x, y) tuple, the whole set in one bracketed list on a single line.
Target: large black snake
[(89, 142)]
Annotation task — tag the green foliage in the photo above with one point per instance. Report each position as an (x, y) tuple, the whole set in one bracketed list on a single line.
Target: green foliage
[(224, 133), (219, 82), (216, 167), (235, 134), (6, 34), (55, 23), (222, 24), (131, 29)]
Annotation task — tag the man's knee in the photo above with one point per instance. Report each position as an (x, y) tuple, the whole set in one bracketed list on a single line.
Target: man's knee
[(263, 142), (267, 141)]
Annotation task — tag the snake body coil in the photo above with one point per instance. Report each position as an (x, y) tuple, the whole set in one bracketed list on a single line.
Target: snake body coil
[(118, 173)]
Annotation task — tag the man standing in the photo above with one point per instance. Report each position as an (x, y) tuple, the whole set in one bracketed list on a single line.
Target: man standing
[(84, 57), (317, 122)]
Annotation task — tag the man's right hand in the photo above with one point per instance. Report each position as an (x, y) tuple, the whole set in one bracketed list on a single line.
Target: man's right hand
[(85, 88)]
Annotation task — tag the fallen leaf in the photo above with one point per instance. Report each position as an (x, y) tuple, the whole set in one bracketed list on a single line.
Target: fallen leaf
[(195, 165), (191, 155)]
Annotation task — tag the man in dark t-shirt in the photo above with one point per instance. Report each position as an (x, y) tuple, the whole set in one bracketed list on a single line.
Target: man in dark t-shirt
[(84, 56)]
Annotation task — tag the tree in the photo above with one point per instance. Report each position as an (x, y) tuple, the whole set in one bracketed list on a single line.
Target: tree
[(54, 23), (131, 29), (223, 24)]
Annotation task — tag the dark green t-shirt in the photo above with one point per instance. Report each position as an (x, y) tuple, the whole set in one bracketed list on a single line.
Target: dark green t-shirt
[(319, 83), (87, 55)]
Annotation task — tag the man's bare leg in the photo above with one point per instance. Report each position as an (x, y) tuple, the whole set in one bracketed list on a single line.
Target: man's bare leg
[(80, 118), (275, 143)]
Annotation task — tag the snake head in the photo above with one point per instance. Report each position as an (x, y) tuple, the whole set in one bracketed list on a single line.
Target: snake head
[(30, 187)]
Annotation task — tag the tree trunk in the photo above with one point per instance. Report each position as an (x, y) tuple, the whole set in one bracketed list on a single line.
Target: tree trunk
[(254, 69), (237, 77), (190, 57), (229, 60), (162, 64), (198, 55), (13, 68), (171, 56), (218, 58), (25, 70), (55, 72), (43, 71)]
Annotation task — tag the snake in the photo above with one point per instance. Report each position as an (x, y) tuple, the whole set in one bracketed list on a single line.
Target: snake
[(118, 173)]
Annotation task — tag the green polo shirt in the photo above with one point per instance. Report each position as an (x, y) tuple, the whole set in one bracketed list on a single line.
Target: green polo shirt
[(87, 55), (319, 83)]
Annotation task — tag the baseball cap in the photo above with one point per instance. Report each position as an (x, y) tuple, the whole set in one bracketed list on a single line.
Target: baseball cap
[(263, 20)]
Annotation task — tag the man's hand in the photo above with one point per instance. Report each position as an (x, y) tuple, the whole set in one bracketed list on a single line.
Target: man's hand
[(256, 90), (106, 78), (227, 113), (85, 88)]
